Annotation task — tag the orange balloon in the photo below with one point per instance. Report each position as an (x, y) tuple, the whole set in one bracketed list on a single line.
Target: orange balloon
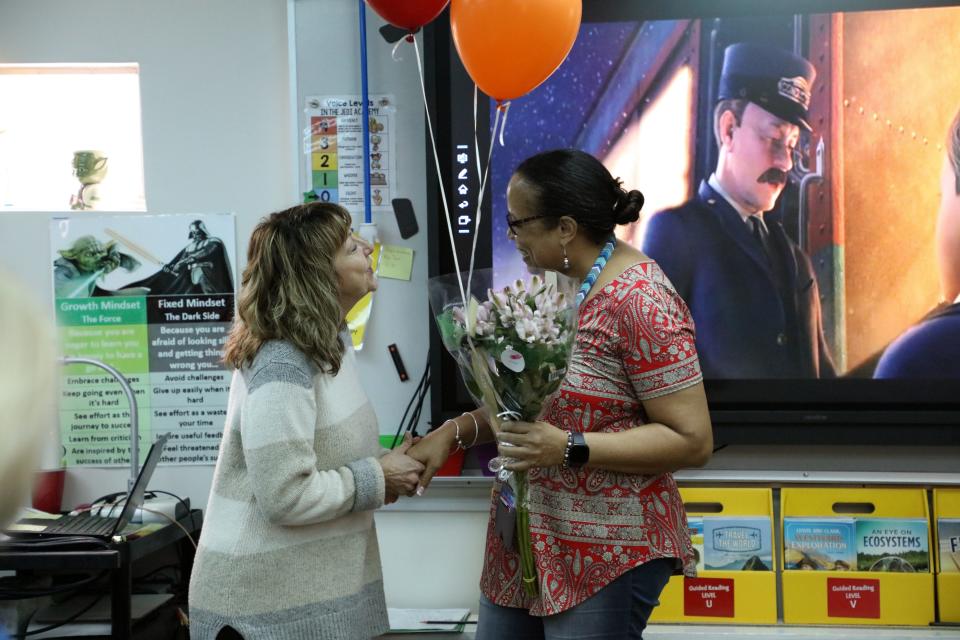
[(510, 46)]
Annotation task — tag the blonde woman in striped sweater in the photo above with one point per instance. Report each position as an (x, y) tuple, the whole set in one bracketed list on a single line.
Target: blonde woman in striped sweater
[(288, 548)]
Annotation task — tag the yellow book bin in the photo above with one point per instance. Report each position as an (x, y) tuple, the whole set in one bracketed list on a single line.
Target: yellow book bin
[(725, 597), (891, 596), (946, 513)]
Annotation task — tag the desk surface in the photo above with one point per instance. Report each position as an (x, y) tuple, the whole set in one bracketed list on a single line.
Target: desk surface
[(17, 553)]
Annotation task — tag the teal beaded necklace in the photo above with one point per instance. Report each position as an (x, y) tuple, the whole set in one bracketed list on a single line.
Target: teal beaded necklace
[(595, 270)]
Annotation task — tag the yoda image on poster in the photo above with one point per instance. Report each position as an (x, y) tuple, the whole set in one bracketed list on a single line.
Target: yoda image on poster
[(142, 255)]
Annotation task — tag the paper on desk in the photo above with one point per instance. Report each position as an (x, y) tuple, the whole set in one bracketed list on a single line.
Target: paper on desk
[(412, 620), (29, 513), (36, 514), (26, 528)]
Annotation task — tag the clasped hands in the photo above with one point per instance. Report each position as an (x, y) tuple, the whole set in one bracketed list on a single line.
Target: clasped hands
[(401, 473), (409, 468)]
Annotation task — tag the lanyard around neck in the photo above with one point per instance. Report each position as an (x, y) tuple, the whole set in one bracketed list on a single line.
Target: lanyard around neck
[(595, 270)]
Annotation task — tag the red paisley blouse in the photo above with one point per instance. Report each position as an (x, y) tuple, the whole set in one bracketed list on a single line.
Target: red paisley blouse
[(635, 341)]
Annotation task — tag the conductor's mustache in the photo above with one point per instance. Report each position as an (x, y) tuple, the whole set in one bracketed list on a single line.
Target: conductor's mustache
[(773, 176)]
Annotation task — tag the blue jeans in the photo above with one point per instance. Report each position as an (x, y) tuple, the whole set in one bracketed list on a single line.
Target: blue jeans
[(619, 611)]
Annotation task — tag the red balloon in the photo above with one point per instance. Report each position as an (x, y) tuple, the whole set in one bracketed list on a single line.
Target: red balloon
[(408, 14), (510, 46)]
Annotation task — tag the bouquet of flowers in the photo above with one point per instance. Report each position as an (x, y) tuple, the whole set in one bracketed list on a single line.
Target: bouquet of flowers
[(513, 349)]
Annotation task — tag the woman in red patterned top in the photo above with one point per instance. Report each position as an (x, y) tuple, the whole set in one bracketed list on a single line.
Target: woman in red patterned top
[(607, 524)]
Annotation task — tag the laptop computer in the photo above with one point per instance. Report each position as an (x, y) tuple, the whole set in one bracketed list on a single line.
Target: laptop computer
[(95, 526)]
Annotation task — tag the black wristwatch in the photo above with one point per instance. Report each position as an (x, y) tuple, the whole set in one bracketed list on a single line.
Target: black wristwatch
[(577, 453)]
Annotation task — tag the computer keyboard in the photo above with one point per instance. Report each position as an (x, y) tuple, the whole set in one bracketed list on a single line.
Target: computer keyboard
[(82, 525)]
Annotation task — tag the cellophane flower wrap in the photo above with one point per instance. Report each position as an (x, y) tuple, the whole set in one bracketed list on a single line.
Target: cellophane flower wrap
[(513, 347)]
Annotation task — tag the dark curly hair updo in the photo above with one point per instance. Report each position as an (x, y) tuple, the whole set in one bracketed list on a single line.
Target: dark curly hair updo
[(569, 182)]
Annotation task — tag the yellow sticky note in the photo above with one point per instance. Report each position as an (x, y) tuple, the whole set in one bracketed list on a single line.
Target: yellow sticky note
[(396, 262)]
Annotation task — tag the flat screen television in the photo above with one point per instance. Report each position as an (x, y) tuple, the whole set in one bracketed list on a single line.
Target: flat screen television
[(638, 91)]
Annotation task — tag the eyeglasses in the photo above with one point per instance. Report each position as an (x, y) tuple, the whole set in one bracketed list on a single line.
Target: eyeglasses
[(513, 225)]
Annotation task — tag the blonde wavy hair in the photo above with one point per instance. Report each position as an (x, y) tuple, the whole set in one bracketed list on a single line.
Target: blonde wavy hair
[(289, 288), (28, 374)]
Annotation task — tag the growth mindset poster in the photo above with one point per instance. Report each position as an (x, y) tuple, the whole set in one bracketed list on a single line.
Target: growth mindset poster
[(153, 297)]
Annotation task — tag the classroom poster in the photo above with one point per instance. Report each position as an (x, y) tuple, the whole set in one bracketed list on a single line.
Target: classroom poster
[(333, 149), (153, 297)]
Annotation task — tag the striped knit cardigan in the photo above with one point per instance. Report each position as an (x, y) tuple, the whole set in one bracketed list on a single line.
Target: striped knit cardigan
[(288, 548)]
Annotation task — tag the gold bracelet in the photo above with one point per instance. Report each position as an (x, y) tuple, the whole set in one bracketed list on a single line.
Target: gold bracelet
[(476, 428)]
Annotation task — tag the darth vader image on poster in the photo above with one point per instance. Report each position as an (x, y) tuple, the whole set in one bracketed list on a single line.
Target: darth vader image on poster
[(202, 266)]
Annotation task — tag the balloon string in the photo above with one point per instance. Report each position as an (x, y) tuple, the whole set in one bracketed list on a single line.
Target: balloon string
[(503, 125), (476, 141), (483, 185), (436, 160), (395, 53)]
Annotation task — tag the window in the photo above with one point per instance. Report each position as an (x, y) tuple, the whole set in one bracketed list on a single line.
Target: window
[(50, 112), (664, 176)]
